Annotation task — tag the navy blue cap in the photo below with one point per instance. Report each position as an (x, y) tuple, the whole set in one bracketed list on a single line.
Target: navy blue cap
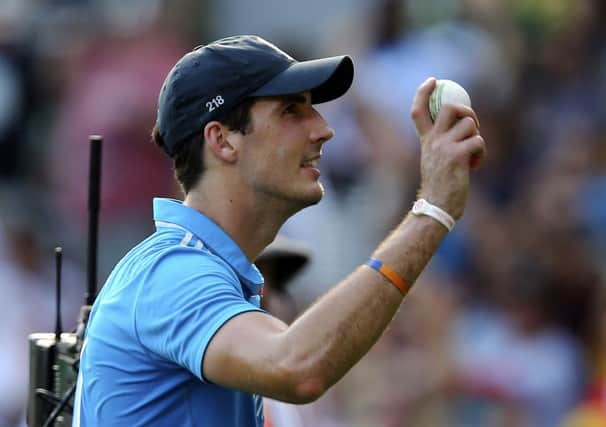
[(214, 78)]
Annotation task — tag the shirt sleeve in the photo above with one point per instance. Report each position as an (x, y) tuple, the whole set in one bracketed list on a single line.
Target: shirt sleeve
[(183, 304)]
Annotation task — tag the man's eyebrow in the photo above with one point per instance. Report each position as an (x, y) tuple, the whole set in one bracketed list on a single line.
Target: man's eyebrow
[(284, 100)]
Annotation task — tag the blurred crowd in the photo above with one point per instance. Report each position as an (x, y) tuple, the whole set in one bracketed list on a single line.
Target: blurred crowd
[(507, 325)]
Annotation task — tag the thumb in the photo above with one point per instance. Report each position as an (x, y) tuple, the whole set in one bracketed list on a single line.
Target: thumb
[(420, 107)]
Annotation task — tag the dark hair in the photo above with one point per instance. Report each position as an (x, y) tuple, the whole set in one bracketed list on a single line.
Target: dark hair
[(187, 161)]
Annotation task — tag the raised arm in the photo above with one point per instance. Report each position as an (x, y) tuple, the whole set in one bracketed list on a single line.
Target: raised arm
[(257, 353)]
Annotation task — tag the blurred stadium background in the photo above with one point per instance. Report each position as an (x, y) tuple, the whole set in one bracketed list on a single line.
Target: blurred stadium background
[(506, 327)]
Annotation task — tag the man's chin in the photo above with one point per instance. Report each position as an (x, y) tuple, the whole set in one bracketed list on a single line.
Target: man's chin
[(312, 198)]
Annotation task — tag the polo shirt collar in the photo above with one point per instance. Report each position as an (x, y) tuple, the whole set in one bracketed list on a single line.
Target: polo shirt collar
[(213, 236)]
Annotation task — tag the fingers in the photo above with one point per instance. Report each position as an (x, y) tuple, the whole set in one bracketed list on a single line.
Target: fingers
[(474, 149), (420, 110), (451, 113), (463, 129)]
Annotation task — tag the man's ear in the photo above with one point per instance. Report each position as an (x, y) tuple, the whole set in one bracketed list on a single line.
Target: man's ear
[(216, 137)]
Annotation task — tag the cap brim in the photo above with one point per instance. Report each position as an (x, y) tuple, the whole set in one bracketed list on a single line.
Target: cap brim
[(326, 79)]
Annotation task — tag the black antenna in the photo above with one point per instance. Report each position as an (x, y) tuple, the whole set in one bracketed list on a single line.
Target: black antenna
[(58, 326), (94, 202)]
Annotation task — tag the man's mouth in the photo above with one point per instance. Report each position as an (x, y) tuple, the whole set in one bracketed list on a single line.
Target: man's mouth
[(310, 163)]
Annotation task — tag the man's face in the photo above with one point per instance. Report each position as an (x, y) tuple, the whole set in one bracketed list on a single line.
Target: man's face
[(279, 157)]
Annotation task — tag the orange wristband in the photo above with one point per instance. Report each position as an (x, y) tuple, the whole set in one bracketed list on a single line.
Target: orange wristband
[(390, 274)]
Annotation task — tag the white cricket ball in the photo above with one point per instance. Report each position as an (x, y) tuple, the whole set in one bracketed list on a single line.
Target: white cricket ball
[(447, 92)]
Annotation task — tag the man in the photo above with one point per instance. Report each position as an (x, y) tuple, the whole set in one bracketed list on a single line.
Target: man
[(176, 336)]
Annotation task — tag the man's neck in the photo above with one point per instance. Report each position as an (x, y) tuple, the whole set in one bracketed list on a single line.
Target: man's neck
[(250, 222)]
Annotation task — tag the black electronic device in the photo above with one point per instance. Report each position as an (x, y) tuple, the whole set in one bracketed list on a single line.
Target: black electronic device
[(54, 357)]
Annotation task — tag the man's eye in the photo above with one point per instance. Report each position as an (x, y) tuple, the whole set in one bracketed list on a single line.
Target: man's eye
[(290, 109)]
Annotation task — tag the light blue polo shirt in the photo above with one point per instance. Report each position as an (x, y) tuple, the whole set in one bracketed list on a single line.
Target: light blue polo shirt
[(150, 325)]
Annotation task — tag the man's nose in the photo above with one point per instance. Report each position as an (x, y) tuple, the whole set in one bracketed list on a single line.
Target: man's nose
[(321, 132)]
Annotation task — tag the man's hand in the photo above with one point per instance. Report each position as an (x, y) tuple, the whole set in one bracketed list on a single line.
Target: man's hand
[(448, 148)]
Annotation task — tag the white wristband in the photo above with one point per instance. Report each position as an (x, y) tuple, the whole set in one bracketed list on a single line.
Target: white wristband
[(423, 207)]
